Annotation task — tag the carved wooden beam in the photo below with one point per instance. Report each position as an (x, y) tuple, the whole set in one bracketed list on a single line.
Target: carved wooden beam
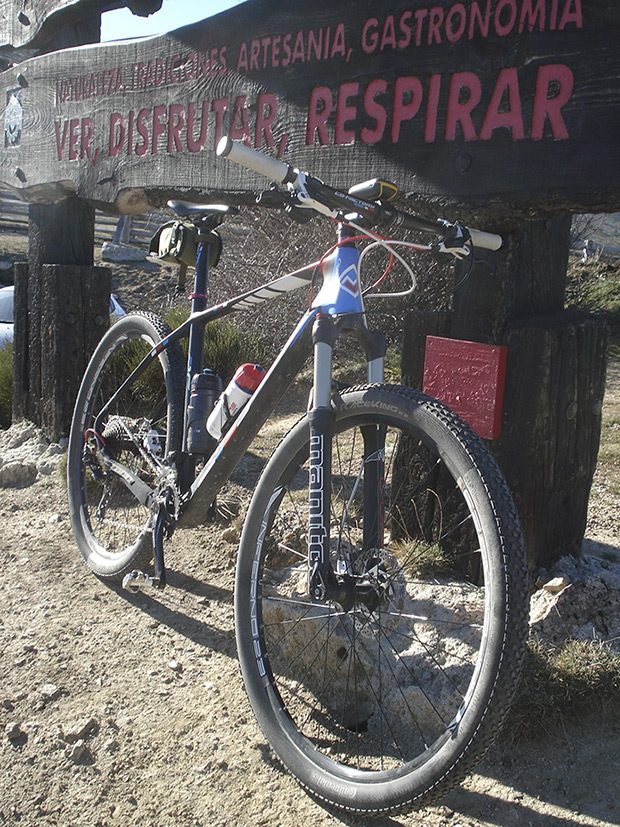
[(508, 106)]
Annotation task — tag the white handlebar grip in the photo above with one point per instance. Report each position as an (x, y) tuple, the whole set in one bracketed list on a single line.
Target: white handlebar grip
[(490, 241), (242, 154)]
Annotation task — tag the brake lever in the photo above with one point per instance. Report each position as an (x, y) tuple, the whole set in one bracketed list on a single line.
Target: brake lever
[(455, 243), (442, 249), (273, 198)]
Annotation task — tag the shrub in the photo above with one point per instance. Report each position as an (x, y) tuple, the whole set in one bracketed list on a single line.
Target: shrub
[(595, 287), (6, 384)]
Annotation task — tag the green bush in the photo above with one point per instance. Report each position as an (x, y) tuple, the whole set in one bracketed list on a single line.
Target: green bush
[(6, 384)]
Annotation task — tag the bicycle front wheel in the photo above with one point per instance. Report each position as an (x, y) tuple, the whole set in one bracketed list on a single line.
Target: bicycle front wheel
[(111, 517), (390, 702)]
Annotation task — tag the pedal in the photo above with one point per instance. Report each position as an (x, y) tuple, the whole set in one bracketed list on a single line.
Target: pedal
[(136, 580)]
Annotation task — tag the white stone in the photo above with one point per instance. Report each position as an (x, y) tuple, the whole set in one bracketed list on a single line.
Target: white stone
[(121, 252)]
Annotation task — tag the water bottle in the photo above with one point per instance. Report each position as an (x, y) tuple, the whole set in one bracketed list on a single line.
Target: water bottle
[(205, 389), (240, 388)]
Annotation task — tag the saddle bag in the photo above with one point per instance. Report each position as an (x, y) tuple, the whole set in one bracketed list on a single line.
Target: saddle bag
[(177, 242)]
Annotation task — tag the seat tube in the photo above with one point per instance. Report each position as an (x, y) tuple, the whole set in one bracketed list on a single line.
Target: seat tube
[(195, 345), (321, 418)]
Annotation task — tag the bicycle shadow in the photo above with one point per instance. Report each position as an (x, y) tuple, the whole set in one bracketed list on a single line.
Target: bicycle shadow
[(567, 781), (186, 621)]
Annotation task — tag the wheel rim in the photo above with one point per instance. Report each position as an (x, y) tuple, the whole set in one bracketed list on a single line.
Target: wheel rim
[(374, 689), (114, 521)]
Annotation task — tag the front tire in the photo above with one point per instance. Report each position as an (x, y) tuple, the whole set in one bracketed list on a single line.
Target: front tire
[(388, 706), (112, 528)]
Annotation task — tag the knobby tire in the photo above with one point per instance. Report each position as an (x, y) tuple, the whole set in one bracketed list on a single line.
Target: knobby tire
[(388, 707)]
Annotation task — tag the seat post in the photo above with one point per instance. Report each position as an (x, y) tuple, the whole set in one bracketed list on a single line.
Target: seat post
[(196, 341)]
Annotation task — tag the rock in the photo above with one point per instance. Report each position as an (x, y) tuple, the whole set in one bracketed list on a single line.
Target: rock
[(77, 751), (17, 474), (175, 666), (17, 435), (50, 460), (121, 252), (586, 610), (556, 584), (80, 729), (26, 446), (231, 534), (49, 692), (13, 731)]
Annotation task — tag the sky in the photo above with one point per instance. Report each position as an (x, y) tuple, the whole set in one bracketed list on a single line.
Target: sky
[(116, 25)]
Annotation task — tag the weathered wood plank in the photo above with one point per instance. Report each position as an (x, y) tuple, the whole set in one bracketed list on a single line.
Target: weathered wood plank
[(35, 23), (509, 106)]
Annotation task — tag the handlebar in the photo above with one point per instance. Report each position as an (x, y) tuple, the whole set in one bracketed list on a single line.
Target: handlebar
[(313, 193), (250, 158)]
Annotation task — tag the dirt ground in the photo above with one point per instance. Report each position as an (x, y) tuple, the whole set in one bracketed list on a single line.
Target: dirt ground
[(129, 710)]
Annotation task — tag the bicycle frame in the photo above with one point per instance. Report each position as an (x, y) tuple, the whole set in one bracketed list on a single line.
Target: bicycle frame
[(378, 668), (337, 307)]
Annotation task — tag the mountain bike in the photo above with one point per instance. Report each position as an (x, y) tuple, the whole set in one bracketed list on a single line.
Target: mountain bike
[(381, 588)]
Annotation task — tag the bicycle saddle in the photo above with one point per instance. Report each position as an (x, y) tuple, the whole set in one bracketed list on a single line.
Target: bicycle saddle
[(188, 209)]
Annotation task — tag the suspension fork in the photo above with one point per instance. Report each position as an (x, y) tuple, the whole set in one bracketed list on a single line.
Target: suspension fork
[(374, 451), (323, 582)]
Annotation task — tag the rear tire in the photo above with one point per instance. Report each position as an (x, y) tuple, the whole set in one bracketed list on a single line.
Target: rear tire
[(112, 528), (386, 707)]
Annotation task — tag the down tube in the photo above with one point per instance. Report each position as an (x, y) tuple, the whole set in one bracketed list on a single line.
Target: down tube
[(228, 453)]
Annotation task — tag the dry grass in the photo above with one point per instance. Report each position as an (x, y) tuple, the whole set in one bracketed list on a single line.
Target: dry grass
[(576, 683)]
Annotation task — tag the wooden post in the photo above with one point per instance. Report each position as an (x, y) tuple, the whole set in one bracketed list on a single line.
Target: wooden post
[(76, 302), (554, 381), (58, 234), (551, 426), (46, 365)]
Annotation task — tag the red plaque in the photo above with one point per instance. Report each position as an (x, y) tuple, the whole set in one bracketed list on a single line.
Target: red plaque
[(469, 378)]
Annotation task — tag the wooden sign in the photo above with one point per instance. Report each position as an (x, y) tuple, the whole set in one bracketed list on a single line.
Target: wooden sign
[(30, 22), (508, 105)]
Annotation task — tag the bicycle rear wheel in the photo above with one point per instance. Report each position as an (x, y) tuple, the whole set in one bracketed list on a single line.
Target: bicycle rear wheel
[(386, 705), (111, 520)]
